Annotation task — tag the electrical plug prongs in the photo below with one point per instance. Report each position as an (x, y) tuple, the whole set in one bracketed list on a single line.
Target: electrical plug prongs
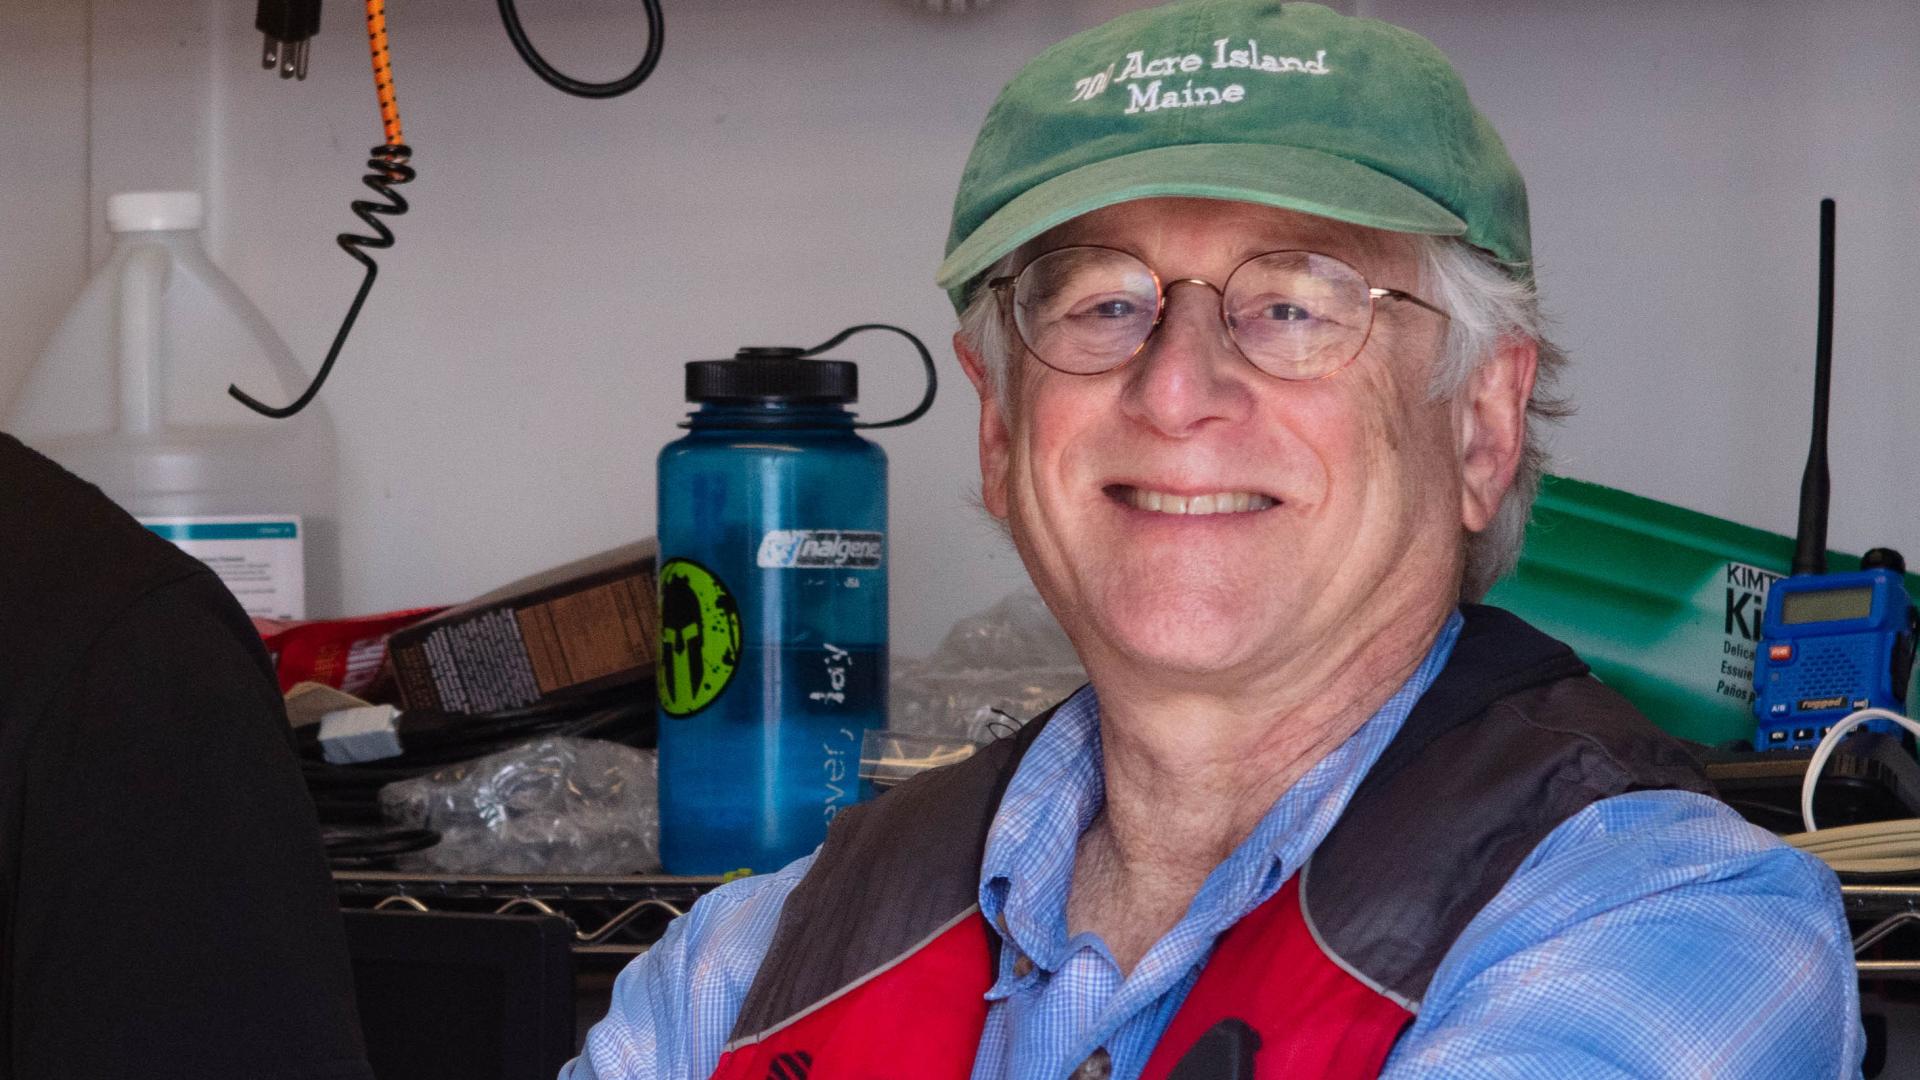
[(288, 27)]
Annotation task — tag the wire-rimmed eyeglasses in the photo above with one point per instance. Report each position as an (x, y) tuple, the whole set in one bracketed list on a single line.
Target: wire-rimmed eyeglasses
[(1088, 309)]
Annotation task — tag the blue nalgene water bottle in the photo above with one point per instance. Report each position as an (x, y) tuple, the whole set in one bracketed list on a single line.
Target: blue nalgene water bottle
[(773, 609)]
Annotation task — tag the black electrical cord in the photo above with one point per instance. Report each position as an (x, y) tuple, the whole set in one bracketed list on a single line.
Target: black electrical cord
[(390, 168), (390, 162), (656, 26), (364, 847)]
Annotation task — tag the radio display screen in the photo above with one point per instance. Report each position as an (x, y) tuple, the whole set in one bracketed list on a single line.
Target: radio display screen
[(1806, 607)]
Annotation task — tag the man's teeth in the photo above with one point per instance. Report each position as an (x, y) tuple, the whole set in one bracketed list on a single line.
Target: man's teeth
[(1224, 502)]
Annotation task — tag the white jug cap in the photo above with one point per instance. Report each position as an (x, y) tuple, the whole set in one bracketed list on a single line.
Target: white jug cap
[(155, 211)]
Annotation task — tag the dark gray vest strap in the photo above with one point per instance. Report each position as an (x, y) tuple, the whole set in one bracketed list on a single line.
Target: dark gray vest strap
[(892, 872), (1481, 772)]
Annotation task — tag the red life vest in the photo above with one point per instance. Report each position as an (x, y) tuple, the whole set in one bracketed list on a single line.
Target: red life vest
[(881, 961), (922, 1017)]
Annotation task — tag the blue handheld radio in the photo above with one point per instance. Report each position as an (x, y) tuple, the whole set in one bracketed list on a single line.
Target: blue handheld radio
[(1830, 643)]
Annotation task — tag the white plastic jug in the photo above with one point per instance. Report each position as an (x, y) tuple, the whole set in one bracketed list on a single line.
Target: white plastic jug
[(131, 394)]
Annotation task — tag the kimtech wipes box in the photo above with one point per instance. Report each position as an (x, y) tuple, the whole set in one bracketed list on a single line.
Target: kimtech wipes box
[(567, 632)]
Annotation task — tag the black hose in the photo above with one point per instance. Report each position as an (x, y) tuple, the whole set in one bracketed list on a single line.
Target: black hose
[(656, 26)]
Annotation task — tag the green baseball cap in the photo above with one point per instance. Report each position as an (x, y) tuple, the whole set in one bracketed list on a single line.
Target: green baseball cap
[(1288, 105)]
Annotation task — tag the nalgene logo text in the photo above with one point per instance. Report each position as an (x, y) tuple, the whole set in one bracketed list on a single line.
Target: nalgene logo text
[(813, 549)]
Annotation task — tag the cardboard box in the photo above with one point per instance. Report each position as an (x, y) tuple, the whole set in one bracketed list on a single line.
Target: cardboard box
[(565, 633)]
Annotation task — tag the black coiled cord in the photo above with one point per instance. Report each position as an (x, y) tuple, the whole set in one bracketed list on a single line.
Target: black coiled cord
[(390, 167), (656, 26)]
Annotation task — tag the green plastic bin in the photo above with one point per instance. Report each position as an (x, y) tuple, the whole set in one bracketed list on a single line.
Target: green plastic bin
[(1663, 602)]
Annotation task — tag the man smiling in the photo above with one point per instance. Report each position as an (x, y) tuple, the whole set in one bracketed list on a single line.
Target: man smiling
[(1257, 384)]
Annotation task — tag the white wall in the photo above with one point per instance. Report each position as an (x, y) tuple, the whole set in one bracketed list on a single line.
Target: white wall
[(43, 173), (1676, 154), (788, 171)]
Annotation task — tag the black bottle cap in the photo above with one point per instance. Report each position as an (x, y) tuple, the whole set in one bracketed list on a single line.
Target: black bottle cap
[(1886, 558), (762, 374)]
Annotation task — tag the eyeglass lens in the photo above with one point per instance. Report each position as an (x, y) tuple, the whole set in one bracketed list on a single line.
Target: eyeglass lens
[(1293, 314)]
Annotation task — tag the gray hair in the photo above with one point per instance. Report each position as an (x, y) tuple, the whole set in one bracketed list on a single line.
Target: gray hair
[(1488, 303)]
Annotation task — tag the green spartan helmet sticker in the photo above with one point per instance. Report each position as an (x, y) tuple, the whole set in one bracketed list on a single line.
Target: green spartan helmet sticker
[(699, 638)]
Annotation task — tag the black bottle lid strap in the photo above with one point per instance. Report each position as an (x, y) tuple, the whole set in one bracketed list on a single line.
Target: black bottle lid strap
[(926, 358)]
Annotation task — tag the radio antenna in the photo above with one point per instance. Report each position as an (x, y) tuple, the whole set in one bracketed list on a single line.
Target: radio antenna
[(1810, 550)]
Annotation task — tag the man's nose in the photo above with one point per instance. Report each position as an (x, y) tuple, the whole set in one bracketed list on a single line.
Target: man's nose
[(1189, 373)]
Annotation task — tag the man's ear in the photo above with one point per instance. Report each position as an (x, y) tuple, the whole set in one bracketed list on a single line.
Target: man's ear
[(995, 438), (1492, 425)]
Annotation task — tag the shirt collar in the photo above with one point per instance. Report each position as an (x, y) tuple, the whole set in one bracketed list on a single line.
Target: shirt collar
[(1059, 788)]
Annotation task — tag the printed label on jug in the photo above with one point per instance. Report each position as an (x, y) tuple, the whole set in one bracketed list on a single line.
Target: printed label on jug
[(261, 557), (814, 549), (699, 637)]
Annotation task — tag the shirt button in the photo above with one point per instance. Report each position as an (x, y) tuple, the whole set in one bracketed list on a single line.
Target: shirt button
[(1022, 967), (1098, 1066)]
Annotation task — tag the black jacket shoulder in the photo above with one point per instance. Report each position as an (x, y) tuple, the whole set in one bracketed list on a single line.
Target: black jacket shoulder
[(73, 563)]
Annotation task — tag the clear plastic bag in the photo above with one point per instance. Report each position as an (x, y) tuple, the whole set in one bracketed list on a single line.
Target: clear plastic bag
[(554, 806), (994, 671)]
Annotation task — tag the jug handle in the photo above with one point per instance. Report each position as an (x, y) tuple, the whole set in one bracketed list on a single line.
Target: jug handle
[(143, 282)]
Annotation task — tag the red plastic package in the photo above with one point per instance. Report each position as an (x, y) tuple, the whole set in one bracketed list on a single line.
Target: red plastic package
[(347, 654)]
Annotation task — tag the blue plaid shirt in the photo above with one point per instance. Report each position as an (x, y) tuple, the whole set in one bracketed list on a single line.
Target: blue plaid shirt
[(1651, 935)]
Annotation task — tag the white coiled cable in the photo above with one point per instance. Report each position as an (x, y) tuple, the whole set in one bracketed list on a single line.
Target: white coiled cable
[(1879, 847)]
